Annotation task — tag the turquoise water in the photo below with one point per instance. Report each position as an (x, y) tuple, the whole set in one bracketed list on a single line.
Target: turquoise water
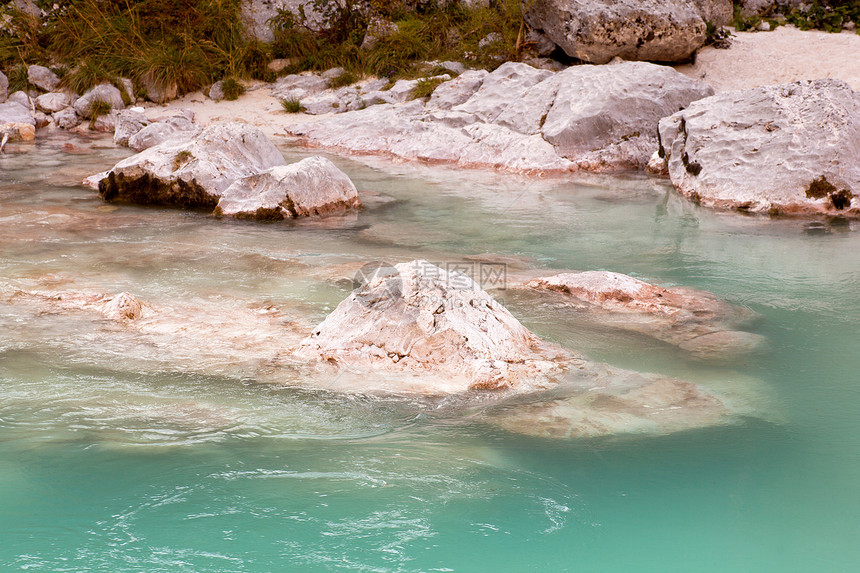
[(121, 458)]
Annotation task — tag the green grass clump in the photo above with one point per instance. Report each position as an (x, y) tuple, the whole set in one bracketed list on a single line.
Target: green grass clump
[(181, 158), (345, 79), (18, 79), (99, 108), (291, 105), (426, 87), (232, 89)]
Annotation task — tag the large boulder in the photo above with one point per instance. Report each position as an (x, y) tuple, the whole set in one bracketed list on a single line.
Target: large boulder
[(104, 92), (420, 320), (17, 122), (598, 118), (694, 320), (43, 78), (53, 102), (191, 173), (785, 149), (313, 186), (299, 86), (595, 31)]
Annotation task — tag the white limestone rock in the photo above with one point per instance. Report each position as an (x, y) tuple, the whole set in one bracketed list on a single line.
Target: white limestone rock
[(53, 102), (784, 149), (439, 328), (310, 187), (191, 172)]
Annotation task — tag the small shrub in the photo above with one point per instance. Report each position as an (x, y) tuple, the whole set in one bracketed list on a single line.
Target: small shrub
[(99, 108), (85, 75), (717, 36), (232, 89), (291, 105), (18, 79), (426, 87), (181, 158), (345, 79)]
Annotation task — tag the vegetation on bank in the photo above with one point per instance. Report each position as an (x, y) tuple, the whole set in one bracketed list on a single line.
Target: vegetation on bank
[(828, 15), (183, 45), (178, 46)]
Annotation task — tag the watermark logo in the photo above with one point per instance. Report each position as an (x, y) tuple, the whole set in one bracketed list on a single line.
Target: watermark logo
[(391, 291)]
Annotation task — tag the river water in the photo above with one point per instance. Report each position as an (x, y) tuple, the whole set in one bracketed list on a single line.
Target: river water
[(122, 457)]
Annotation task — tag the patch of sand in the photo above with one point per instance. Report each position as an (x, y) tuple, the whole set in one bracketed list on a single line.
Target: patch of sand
[(784, 55)]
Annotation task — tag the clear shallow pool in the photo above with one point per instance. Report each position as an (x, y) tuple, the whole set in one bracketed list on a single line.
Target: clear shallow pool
[(113, 460)]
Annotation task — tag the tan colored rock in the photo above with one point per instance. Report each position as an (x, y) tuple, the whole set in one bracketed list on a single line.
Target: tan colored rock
[(694, 320)]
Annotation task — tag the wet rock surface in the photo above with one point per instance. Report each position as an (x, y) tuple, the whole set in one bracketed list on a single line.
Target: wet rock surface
[(784, 149)]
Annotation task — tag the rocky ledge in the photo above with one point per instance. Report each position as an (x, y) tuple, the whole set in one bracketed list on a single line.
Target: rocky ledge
[(231, 169), (522, 119), (784, 149)]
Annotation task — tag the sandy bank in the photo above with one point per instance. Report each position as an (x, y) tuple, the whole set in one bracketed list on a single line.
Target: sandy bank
[(785, 55)]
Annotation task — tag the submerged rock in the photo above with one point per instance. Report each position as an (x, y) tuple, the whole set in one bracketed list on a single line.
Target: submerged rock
[(694, 320), (784, 149), (597, 31), (418, 319), (597, 118), (632, 404), (191, 173), (313, 186)]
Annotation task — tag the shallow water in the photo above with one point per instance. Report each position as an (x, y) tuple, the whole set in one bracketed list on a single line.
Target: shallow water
[(122, 458)]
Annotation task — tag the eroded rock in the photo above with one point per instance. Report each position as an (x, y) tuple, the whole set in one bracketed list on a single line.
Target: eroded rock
[(784, 149), (43, 78), (421, 320), (694, 320), (17, 122), (53, 102)]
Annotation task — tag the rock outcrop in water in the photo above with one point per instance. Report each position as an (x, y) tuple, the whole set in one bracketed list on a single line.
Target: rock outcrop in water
[(230, 168), (519, 118), (694, 320), (313, 186), (785, 149), (597, 31), (17, 122), (418, 319)]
